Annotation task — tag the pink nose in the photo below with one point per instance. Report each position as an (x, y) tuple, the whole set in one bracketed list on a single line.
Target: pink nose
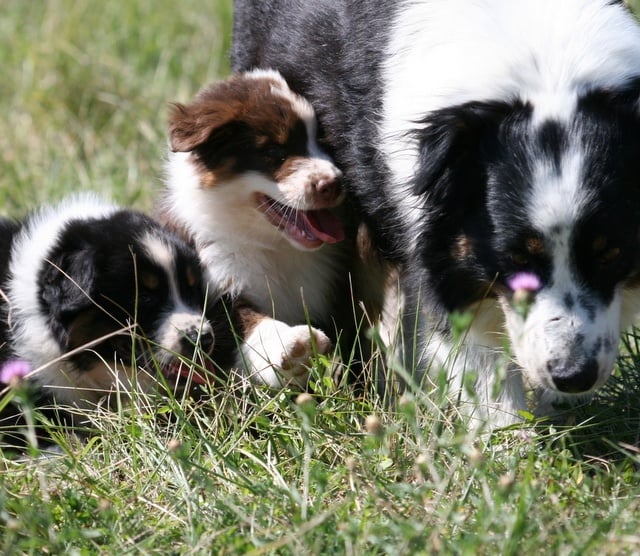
[(328, 189)]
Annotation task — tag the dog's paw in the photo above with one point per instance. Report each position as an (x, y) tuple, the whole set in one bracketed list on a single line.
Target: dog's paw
[(304, 342), (278, 355)]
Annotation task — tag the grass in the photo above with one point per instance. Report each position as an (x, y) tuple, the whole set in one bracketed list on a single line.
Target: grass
[(86, 88), (83, 96)]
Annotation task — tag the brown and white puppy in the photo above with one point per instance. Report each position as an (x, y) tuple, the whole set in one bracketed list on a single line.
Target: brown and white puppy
[(249, 184)]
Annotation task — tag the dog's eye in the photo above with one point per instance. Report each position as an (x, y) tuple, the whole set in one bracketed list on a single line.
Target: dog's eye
[(529, 252), (604, 251), (275, 154), (146, 297)]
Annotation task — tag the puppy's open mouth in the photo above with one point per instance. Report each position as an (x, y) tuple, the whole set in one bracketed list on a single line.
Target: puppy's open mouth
[(309, 228), (178, 370)]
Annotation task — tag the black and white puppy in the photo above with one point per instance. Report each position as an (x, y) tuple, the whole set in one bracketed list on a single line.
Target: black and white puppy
[(261, 201), (97, 298), (486, 142)]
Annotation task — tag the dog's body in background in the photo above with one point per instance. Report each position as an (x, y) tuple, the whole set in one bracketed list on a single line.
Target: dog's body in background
[(484, 142), (97, 299), (263, 204)]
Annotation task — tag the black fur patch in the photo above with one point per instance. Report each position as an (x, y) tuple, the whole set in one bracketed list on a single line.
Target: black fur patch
[(102, 294)]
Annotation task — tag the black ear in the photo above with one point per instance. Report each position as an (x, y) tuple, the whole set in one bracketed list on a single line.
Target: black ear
[(451, 137), (67, 284)]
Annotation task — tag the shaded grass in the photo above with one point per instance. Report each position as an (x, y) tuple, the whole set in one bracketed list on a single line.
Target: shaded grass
[(83, 103)]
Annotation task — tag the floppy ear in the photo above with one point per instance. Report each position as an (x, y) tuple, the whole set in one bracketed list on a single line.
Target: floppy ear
[(450, 137), (67, 284), (192, 125)]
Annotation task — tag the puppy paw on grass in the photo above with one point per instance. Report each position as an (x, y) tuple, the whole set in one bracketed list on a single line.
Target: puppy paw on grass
[(279, 355)]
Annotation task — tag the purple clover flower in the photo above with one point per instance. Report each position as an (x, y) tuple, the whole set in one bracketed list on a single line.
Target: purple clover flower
[(13, 371), (527, 281)]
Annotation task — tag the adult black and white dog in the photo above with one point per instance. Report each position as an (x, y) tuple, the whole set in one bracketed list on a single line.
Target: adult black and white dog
[(484, 141), (96, 298)]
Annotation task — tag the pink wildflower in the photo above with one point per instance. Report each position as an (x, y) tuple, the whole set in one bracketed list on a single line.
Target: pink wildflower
[(14, 371), (527, 281)]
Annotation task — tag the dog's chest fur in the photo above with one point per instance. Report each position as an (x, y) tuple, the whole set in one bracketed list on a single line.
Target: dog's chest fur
[(288, 284)]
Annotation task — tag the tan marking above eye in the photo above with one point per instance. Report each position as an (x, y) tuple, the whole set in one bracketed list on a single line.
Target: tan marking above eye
[(191, 276), (149, 280), (600, 246), (599, 243), (262, 141), (535, 245), (462, 247)]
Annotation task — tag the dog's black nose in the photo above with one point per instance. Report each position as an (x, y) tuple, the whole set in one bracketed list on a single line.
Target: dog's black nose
[(573, 378), (204, 338), (206, 341)]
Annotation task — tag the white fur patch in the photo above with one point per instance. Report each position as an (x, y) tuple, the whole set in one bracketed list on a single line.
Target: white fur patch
[(557, 197), (447, 52), (33, 339), (278, 355)]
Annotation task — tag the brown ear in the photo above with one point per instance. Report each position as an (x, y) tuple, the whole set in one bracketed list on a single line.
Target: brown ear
[(191, 125)]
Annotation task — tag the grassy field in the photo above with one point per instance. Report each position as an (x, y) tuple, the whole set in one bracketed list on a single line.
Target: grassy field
[(83, 99)]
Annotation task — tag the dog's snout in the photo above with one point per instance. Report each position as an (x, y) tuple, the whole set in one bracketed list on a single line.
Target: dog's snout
[(202, 337), (573, 378), (329, 189)]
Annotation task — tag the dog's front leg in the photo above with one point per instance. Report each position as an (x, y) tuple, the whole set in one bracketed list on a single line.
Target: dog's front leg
[(276, 354)]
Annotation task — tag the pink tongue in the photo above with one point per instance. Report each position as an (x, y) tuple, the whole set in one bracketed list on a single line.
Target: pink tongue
[(322, 224), (185, 371), (195, 377)]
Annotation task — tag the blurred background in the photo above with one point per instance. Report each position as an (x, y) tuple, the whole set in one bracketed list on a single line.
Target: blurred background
[(85, 87)]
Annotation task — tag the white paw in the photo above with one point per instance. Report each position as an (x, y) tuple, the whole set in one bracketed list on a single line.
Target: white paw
[(278, 355)]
